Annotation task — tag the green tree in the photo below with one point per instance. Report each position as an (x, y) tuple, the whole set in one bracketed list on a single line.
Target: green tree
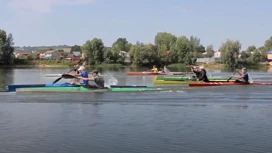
[(245, 55), (108, 56), (256, 56), (210, 51), (121, 44), (251, 49), (182, 51), (6, 48), (93, 51), (143, 54), (229, 52), (163, 42), (75, 48)]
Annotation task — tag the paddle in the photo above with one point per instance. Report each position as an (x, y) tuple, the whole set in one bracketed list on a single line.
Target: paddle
[(67, 72), (232, 75)]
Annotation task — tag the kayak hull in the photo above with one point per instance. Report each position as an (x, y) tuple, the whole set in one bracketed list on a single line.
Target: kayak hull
[(181, 78), (206, 84), (14, 87), (185, 81), (154, 73), (83, 89)]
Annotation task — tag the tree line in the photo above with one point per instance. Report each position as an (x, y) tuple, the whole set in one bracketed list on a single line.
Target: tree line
[(167, 49)]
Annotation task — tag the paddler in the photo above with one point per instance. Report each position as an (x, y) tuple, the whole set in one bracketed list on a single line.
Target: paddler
[(200, 72), (154, 69), (243, 77), (203, 75), (83, 74), (164, 70), (196, 71), (99, 81)]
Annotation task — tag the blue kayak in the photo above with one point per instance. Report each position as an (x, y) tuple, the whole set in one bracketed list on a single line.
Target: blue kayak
[(12, 88)]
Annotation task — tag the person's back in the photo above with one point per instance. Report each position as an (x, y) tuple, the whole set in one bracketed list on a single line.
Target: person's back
[(204, 76), (99, 82), (245, 78)]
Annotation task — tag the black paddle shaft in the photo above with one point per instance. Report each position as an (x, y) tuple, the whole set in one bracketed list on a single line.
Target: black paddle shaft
[(67, 72)]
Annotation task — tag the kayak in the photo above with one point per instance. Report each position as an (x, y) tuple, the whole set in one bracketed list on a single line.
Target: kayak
[(155, 73), (84, 89), (205, 84), (66, 87), (14, 87), (183, 78), (172, 78), (185, 81)]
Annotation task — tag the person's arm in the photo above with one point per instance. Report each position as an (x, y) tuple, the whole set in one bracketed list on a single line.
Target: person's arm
[(88, 79), (76, 75), (239, 77)]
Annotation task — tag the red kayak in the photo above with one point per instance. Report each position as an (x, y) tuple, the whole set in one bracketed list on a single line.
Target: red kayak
[(157, 73), (205, 84)]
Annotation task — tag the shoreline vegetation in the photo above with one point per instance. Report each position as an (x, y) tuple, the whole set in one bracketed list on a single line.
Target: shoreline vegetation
[(167, 50), (46, 64)]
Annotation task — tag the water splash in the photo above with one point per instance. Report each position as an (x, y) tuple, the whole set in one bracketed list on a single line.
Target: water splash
[(110, 80)]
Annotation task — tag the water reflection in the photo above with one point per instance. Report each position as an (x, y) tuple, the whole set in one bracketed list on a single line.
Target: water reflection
[(6, 78)]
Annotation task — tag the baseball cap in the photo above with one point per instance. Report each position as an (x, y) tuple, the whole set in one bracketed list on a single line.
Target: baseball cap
[(81, 68)]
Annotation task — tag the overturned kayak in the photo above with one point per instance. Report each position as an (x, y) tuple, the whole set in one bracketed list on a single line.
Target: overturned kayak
[(155, 73), (206, 84)]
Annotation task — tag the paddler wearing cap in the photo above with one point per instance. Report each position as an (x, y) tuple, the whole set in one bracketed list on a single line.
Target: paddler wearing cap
[(83, 74), (99, 81), (200, 73), (243, 77)]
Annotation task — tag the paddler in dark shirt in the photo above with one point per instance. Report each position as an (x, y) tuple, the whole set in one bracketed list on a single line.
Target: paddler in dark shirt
[(99, 81), (203, 75), (243, 77), (196, 71)]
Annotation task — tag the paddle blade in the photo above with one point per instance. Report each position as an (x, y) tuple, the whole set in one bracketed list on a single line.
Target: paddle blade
[(68, 76), (57, 80)]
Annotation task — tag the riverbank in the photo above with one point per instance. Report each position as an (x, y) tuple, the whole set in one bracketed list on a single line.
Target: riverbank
[(57, 66)]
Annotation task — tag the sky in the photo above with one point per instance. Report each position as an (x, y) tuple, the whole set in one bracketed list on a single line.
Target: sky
[(70, 22)]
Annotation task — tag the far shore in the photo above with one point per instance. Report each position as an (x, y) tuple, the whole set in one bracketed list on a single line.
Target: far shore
[(206, 65)]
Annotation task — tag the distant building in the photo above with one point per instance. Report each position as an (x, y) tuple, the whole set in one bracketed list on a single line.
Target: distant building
[(208, 60), (51, 54), (269, 56), (21, 55), (77, 53), (217, 54)]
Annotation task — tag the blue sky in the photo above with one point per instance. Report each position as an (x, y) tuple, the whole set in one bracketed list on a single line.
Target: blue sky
[(57, 22)]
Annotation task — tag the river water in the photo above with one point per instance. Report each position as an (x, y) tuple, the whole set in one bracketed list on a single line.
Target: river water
[(231, 119)]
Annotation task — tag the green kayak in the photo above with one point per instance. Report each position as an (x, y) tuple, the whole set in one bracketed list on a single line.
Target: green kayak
[(184, 78), (83, 89)]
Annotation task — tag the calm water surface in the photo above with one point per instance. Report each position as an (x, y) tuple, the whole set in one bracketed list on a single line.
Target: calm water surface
[(228, 119)]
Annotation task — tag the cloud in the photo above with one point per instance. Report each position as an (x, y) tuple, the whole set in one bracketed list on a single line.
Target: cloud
[(43, 6)]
